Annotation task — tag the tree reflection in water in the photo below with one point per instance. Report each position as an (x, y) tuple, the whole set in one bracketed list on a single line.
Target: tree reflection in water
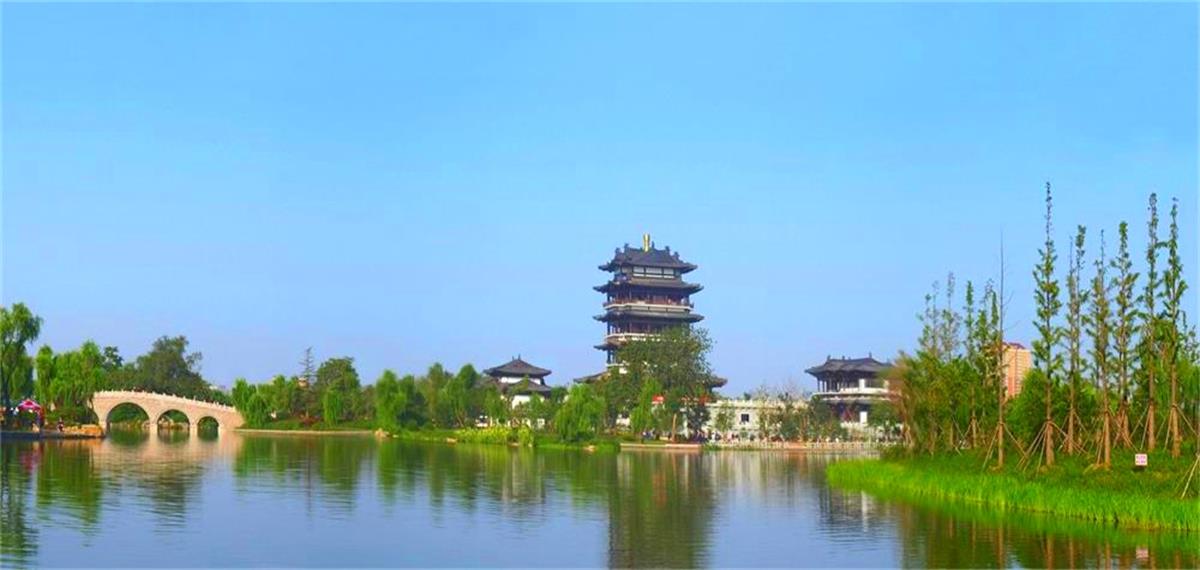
[(654, 509)]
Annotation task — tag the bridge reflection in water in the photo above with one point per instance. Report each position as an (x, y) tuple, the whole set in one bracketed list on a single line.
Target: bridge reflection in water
[(163, 498)]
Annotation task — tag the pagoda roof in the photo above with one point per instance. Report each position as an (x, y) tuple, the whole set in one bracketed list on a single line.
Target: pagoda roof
[(623, 281), (676, 316), (517, 368), (843, 365), (648, 257)]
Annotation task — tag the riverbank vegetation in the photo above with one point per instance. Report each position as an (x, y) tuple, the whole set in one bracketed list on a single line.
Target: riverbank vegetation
[(1118, 497), (667, 388), (1114, 370), (64, 382)]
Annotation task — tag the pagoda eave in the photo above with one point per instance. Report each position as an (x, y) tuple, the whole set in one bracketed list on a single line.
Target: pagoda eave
[(647, 284), (668, 317)]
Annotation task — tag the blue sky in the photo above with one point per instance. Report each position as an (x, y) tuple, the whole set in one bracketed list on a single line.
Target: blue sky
[(411, 183)]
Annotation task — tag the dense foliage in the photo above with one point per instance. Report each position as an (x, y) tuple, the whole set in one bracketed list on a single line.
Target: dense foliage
[(64, 382), (1112, 370), (675, 364)]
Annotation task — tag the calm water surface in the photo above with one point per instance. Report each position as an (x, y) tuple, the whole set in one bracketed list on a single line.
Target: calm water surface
[(174, 499)]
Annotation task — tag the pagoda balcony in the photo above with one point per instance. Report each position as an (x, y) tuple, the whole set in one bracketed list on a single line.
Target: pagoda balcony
[(649, 305), (618, 338), (853, 394)]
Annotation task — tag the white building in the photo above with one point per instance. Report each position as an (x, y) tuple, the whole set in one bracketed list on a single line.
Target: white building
[(518, 380)]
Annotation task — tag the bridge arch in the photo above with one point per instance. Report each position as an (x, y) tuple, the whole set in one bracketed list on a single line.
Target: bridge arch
[(174, 414), (156, 405), (127, 411)]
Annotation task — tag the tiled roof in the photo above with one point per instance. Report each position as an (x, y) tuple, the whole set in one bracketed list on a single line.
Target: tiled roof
[(636, 313), (625, 281), (849, 365), (652, 257), (517, 368)]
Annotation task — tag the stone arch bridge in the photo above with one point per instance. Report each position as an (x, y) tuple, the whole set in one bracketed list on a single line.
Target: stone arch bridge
[(156, 405)]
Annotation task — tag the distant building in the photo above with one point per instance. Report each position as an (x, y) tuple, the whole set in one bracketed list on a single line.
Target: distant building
[(1017, 360), (852, 386), (518, 380), (644, 296), (750, 417)]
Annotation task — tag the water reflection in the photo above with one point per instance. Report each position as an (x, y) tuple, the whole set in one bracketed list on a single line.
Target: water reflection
[(161, 499)]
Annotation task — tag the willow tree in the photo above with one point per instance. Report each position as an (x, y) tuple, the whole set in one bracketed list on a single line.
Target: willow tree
[(1173, 288), (1073, 336), (1123, 330), (1099, 320), (18, 327), (1150, 323), (1048, 305)]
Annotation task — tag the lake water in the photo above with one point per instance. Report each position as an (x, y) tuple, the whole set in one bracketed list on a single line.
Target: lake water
[(179, 499)]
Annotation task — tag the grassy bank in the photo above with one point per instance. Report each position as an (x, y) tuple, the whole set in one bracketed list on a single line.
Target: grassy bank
[(1119, 497), (522, 437)]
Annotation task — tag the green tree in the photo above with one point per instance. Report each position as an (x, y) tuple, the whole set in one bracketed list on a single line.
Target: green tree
[(338, 377), (1123, 331), (1150, 326), (495, 406), (455, 401), (19, 327), (581, 415), (724, 418), (643, 418), (1046, 290), (168, 368), (1099, 322), (1072, 337), (389, 402), (1173, 289), (415, 410), (332, 407), (678, 359), (431, 384), (241, 393), (788, 419), (45, 374), (257, 410), (76, 376)]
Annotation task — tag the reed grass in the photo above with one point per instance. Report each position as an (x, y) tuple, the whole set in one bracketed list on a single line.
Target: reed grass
[(1124, 499)]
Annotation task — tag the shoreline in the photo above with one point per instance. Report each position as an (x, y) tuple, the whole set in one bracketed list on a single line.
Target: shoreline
[(35, 436), (339, 432)]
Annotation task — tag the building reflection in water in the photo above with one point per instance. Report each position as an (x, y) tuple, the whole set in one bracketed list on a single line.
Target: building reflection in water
[(657, 509)]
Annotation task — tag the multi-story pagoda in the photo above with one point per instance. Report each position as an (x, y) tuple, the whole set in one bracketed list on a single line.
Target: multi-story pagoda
[(645, 295)]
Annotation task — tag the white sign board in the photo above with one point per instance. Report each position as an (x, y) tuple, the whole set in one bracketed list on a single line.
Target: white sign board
[(1140, 460)]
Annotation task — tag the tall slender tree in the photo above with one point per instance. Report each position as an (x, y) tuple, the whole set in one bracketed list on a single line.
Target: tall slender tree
[(1173, 288), (974, 346), (1048, 305), (1123, 331), (1073, 336), (1149, 340), (997, 309), (1099, 320)]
